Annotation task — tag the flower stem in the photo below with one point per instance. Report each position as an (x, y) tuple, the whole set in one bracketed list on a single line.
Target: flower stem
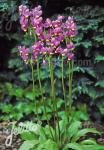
[(63, 85), (52, 92), (43, 100), (33, 81), (56, 119), (70, 84)]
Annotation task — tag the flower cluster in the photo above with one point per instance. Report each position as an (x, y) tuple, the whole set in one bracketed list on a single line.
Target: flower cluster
[(24, 15), (52, 36), (36, 19), (24, 53)]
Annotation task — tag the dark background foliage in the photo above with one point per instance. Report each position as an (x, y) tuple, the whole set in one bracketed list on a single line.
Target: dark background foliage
[(88, 85)]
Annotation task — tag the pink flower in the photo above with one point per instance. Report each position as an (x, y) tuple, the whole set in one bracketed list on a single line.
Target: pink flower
[(57, 31), (59, 50), (24, 15), (24, 11), (54, 42), (70, 46), (24, 23), (60, 38), (70, 27), (37, 46), (24, 52), (70, 56), (44, 50), (64, 52), (60, 18), (56, 23), (48, 23), (36, 12), (35, 17), (35, 22), (50, 50), (39, 30), (36, 50)]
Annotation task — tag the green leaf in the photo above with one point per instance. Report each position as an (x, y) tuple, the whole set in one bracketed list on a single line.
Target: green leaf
[(91, 72), (92, 93), (28, 136), (25, 76), (79, 69), (27, 145), (14, 63), (83, 132), (87, 44), (29, 95), (73, 129), (99, 58), (93, 147), (7, 108), (73, 146), (81, 115), (88, 142), (100, 83), (48, 145), (18, 92)]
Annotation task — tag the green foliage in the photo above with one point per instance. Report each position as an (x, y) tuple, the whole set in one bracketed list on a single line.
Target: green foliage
[(88, 80), (99, 58), (69, 139)]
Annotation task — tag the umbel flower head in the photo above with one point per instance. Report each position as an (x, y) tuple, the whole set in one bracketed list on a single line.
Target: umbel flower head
[(52, 37)]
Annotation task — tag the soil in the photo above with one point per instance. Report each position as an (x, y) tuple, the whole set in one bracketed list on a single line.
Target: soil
[(4, 133)]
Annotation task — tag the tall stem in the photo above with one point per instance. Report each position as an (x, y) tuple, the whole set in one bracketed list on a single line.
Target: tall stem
[(43, 100), (54, 102), (52, 93), (70, 84), (63, 85), (33, 81)]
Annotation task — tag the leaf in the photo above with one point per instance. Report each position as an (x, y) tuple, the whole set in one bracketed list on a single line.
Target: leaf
[(91, 72), (60, 102), (87, 44), (79, 69), (92, 93), (49, 133), (83, 132), (28, 136), (25, 76), (30, 95), (49, 145), (93, 147), (81, 115), (88, 142), (73, 146), (18, 92), (99, 58), (27, 145), (7, 108), (73, 129), (101, 108), (14, 63), (100, 83)]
